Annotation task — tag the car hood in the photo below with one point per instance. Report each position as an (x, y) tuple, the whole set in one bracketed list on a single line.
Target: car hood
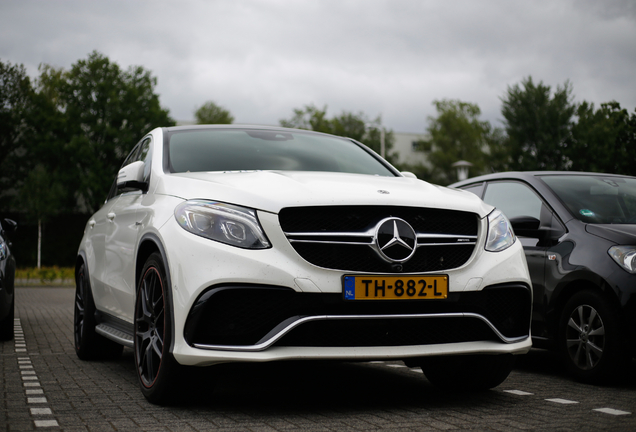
[(619, 234), (274, 190)]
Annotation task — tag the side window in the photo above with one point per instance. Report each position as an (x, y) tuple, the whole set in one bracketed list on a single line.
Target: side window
[(514, 199), (477, 189), (145, 155)]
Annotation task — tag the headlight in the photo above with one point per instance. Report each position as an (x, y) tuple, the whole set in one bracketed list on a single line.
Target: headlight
[(3, 249), (500, 234), (625, 256), (225, 223)]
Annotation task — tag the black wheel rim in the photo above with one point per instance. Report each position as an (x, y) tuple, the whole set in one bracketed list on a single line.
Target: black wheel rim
[(585, 337), (79, 312), (149, 327)]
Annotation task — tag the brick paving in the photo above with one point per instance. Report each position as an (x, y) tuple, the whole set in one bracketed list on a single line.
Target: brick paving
[(46, 387)]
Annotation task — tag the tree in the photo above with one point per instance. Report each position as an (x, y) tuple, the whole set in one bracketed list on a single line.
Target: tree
[(347, 124), (15, 96), (457, 134), (211, 113), (39, 198), (106, 111), (538, 125), (603, 140)]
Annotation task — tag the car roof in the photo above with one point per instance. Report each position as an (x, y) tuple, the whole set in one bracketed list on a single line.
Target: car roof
[(528, 176), (244, 127)]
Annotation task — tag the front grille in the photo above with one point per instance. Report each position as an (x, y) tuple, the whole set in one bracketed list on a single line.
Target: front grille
[(342, 237), (246, 316)]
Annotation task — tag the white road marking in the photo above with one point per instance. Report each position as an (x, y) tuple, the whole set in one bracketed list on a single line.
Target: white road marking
[(562, 401), (518, 392), (30, 379), (612, 411)]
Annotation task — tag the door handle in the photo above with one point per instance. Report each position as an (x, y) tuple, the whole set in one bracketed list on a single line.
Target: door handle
[(110, 216)]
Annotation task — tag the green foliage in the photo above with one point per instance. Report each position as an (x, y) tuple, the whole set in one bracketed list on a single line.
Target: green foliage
[(347, 124), (107, 111), (16, 92), (603, 140), (457, 134), (538, 124), (211, 113), (45, 275), (40, 194)]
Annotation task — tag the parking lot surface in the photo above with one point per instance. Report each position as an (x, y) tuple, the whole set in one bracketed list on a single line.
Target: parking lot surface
[(44, 386)]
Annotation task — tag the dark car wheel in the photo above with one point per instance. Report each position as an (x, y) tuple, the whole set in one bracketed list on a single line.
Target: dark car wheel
[(157, 369), (590, 338), (7, 324), (88, 344), (467, 373)]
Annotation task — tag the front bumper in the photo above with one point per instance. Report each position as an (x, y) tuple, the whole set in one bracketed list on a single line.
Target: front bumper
[(224, 309)]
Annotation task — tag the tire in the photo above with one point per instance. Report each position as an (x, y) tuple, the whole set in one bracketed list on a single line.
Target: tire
[(589, 338), (7, 324), (88, 344), (467, 373), (157, 370)]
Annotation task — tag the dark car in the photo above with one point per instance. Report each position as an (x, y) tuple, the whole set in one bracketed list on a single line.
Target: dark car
[(7, 276), (578, 231)]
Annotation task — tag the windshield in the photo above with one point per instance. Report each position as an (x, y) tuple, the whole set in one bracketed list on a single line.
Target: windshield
[(596, 199), (195, 150)]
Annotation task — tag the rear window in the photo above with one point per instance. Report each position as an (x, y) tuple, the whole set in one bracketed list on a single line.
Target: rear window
[(254, 150)]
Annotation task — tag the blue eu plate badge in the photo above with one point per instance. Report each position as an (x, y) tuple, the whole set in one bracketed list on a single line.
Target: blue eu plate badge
[(350, 287)]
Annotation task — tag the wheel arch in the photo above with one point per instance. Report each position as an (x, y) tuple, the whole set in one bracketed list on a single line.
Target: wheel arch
[(149, 244), (565, 291)]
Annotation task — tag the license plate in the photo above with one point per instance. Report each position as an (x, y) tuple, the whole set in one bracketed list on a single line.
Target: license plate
[(395, 287)]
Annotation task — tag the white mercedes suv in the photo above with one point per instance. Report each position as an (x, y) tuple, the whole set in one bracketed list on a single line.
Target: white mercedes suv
[(250, 244)]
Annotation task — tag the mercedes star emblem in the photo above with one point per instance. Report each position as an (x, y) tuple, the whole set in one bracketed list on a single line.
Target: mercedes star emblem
[(395, 239)]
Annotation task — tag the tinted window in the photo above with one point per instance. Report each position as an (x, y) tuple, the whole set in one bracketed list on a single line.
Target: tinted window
[(477, 189), (514, 199), (596, 199), (248, 150)]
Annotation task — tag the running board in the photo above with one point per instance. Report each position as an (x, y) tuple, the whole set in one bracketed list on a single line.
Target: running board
[(114, 334)]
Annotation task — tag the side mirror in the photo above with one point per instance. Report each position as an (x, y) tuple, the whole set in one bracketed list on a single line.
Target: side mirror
[(408, 174), (9, 225), (132, 176), (527, 226)]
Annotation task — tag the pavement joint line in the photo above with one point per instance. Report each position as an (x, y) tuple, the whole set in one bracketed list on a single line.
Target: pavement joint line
[(33, 381), (612, 411)]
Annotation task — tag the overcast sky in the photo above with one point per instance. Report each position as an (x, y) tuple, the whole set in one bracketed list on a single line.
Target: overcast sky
[(261, 59)]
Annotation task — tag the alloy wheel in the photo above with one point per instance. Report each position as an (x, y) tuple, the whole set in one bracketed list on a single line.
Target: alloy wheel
[(150, 326), (80, 315), (585, 337)]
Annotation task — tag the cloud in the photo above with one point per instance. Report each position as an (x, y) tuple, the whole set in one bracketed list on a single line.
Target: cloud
[(261, 59)]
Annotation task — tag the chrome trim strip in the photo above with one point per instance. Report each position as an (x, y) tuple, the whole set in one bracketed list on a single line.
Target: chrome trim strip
[(330, 242), (368, 233), (371, 233), (447, 236), (301, 320), (447, 244), (116, 335)]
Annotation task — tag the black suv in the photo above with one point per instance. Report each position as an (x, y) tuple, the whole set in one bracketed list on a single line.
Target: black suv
[(578, 231), (7, 275)]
